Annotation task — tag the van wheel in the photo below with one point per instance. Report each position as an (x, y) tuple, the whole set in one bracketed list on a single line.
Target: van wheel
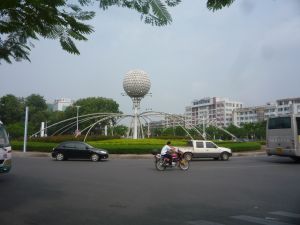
[(60, 157), (224, 156), (188, 156)]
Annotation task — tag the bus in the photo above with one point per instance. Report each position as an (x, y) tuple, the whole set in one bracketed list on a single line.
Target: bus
[(283, 136), (5, 151)]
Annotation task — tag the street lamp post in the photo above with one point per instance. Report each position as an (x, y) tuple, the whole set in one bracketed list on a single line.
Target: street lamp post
[(77, 128)]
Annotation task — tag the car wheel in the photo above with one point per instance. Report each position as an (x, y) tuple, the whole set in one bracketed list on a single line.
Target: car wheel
[(224, 156), (188, 156), (60, 157), (95, 158)]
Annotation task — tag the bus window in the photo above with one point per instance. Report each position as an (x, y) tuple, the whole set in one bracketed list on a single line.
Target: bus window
[(3, 138), (280, 123), (298, 125)]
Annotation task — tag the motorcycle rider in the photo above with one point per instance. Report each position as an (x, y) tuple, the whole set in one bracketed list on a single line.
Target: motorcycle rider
[(166, 151)]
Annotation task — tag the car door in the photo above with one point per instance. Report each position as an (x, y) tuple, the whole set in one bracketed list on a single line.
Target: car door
[(81, 151), (211, 149), (199, 150), (68, 149)]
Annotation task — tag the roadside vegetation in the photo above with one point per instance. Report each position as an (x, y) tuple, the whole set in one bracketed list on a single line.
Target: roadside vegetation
[(250, 136), (130, 146)]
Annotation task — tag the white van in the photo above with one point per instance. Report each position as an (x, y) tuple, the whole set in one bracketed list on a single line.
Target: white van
[(5, 151)]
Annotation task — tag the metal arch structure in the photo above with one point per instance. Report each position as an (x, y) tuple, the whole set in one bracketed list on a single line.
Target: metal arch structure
[(150, 113), (71, 119), (137, 132)]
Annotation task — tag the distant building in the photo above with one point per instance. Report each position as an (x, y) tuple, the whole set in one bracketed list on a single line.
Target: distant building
[(168, 121), (211, 110), (62, 104), (255, 114)]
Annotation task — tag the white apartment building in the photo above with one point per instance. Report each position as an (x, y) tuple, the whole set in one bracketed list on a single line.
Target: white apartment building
[(61, 104), (260, 113), (214, 110)]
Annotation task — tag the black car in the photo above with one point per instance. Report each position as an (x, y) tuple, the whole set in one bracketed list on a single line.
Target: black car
[(78, 150)]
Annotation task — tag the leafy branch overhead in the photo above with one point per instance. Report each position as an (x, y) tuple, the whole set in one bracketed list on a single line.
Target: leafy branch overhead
[(22, 21)]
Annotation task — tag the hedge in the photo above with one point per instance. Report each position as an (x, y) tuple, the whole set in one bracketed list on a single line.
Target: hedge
[(129, 146)]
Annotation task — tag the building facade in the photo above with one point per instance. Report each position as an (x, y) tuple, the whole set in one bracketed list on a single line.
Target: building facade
[(255, 114), (61, 104), (208, 110), (168, 121)]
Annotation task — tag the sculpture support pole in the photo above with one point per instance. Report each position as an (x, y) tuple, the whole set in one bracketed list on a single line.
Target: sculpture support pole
[(135, 136), (136, 107)]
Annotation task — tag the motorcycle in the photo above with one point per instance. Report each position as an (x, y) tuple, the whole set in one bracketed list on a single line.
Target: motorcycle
[(161, 162)]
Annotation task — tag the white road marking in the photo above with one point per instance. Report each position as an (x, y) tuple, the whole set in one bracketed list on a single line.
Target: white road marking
[(287, 214), (203, 222), (260, 220)]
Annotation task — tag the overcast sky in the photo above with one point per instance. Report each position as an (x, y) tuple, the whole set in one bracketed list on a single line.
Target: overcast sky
[(249, 52)]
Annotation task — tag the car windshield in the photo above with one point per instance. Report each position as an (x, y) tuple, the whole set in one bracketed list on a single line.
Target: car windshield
[(3, 138), (89, 146)]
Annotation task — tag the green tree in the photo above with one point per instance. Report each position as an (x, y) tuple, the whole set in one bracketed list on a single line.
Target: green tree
[(119, 130), (93, 105), (36, 103), (38, 110), (11, 109), (179, 131), (22, 21), (156, 132)]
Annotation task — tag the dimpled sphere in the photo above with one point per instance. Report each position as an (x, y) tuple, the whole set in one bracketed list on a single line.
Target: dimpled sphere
[(136, 83)]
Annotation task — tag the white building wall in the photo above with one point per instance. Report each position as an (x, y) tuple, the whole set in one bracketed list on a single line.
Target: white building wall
[(259, 113), (61, 104), (214, 110)]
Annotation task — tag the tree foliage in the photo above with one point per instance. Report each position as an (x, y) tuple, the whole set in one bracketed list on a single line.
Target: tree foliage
[(22, 21), (11, 109)]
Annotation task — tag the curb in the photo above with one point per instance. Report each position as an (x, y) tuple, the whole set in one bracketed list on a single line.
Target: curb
[(125, 156)]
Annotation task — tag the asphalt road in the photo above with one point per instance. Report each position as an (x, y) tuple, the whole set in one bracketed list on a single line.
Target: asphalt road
[(244, 190)]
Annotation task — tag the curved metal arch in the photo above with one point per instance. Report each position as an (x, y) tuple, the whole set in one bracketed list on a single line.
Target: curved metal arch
[(65, 121), (91, 126), (68, 126), (120, 119), (176, 116)]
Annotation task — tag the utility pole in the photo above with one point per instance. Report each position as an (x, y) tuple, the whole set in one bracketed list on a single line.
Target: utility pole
[(25, 128), (77, 129)]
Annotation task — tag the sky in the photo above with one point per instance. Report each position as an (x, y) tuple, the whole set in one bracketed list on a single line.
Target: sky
[(248, 52)]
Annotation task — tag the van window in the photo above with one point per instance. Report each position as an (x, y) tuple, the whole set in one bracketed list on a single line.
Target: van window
[(280, 123)]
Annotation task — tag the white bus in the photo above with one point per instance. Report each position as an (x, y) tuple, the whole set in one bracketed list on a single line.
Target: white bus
[(5, 151), (283, 136)]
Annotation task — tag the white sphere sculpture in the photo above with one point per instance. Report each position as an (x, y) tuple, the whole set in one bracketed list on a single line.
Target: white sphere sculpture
[(136, 83)]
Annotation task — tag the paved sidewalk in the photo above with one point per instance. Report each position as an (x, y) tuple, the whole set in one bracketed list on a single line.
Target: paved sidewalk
[(128, 156)]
